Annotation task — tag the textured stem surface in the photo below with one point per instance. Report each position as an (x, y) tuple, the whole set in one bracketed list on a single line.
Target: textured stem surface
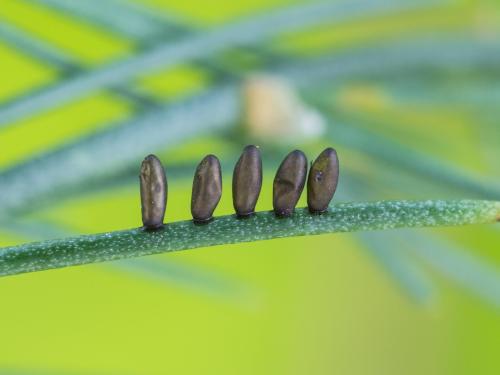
[(341, 217)]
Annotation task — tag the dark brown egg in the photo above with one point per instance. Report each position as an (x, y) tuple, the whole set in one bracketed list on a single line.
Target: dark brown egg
[(247, 181), (207, 189), (154, 192), (322, 181), (289, 183)]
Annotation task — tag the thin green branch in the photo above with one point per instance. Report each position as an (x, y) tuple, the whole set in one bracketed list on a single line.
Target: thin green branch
[(166, 271), (342, 217)]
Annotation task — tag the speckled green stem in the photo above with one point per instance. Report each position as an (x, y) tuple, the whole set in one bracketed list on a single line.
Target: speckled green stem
[(342, 217)]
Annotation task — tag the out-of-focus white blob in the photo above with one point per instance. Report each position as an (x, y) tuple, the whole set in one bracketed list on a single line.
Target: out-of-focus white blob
[(273, 112)]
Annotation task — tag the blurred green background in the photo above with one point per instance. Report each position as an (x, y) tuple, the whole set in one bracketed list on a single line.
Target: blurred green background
[(407, 91)]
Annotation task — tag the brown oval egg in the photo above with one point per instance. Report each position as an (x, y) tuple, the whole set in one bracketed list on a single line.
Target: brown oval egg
[(289, 183), (247, 181), (154, 192), (322, 181), (207, 189)]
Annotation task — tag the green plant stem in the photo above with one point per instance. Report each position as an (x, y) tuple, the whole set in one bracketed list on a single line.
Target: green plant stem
[(342, 217)]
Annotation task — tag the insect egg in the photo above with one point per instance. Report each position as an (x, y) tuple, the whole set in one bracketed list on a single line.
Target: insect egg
[(322, 181), (247, 181), (207, 189), (289, 183), (154, 190)]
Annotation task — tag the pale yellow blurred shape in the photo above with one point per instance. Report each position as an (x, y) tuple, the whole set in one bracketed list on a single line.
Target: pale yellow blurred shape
[(270, 107), (23, 140), (18, 73), (175, 82), (217, 11), (90, 44), (274, 113)]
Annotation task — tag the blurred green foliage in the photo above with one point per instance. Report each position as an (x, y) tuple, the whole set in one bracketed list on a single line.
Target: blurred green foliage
[(303, 305)]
